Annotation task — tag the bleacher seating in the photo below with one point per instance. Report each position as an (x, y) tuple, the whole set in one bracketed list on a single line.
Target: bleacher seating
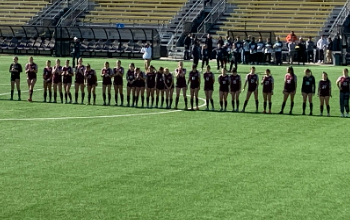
[(19, 12), (304, 17), (134, 11), (23, 45)]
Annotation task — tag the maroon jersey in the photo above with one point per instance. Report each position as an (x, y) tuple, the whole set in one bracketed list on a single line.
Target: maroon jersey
[(324, 87), (160, 81), (208, 81), (168, 80), (344, 84), (79, 74), (290, 82), (57, 75), (67, 74), (151, 80), (47, 74), (31, 74), (130, 76), (91, 77), (118, 79), (252, 80), (267, 84), (224, 81), (235, 83), (194, 77), (107, 76), (181, 80)]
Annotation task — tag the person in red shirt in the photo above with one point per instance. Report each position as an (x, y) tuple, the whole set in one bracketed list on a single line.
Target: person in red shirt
[(291, 37)]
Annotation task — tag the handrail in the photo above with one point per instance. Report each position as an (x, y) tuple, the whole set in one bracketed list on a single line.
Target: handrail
[(73, 9), (179, 26), (212, 17), (342, 16), (43, 14)]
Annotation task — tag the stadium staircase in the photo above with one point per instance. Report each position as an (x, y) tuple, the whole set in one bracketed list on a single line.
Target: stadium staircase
[(304, 17)]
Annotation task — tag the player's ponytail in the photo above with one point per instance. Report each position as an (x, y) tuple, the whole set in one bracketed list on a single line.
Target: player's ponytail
[(291, 71)]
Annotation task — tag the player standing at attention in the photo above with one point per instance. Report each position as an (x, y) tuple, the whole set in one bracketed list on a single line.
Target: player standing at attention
[(160, 87), (290, 87), (252, 79), (324, 92), (209, 80), (106, 74), (140, 87), (47, 80), (118, 72), (236, 86), (57, 80), (151, 84), (268, 85), (15, 70), (180, 84), (79, 81), (224, 82), (130, 78), (67, 81), (91, 83), (169, 87), (308, 89), (147, 55), (343, 84), (194, 79), (31, 71)]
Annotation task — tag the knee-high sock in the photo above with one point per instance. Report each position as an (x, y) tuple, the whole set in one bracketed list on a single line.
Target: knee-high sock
[(55, 96), (147, 101), (191, 102), (19, 94), (185, 101), (104, 97), (11, 94), (328, 109), (109, 98), (157, 100), (89, 97), (94, 95), (161, 103), (233, 104), (152, 100), (212, 103), (237, 104), (116, 98), (122, 98), (270, 105), (221, 103), (225, 104), (128, 99), (304, 107), (65, 96), (142, 100), (167, 103), (257, 105), (171, 102), (136, 100), (311, 107), (45, 96), (207, 102), (176, 101), (61, 96), (245, 104), (197, 101), (70, 96), (291, 106), (265, 105), (321, 109), (31, 94), (283, 105), (50, 95), (76, 97)]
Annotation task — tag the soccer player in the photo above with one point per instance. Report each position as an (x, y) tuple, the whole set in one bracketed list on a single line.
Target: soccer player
[(235, 85), (130, 78), (31, 71), (67, 81), (118, 72), (106, 74), (224, 82), (343, 84), (209, 80), (268, 84), (47, 80), (57, 80), (15, 70), (252, 79), (169, 87), (194, 79), (180, 84), (290, 87), (91, 83), (140, 87), (160, 87), (324, 92), (79, 81), (308, 89), (151, 84)]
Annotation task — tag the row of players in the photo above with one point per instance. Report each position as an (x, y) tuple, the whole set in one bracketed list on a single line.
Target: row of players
[(162, 82)]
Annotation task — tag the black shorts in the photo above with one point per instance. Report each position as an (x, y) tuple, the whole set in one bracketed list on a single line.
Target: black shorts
[(91, 84), (151, 86), (107, 81), (209, 88), (267, 90), (67, 81), (140, 83), (117, 83), (288, 90), (14, 77), (223, 89), (48, 81), (194, 86), (131, 84), (252, 89), (160, 86), (324, 94), (79, 81), (234, 89), (307, 91)]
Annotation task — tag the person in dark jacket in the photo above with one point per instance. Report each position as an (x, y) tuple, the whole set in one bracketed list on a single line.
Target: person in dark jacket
[(301, 51), (219, 56), (238, 50), (196, 53), (209, 43), (310, 45), (76, 50), (329, 50), (246, 51), (221, 41), (205, 56), (187, 44), (278, 51), (253, 51)]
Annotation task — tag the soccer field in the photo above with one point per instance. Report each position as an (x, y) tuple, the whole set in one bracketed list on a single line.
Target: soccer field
[(65, 161)]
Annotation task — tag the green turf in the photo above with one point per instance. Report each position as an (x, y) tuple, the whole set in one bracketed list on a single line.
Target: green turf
[(172, 164)]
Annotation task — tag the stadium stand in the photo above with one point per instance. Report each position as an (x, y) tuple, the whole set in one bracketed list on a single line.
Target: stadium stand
[(19, 12), (134, 11), (304, 17)]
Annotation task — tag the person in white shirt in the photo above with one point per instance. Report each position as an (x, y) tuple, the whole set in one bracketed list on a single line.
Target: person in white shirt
[(321, 44), (147, 55)]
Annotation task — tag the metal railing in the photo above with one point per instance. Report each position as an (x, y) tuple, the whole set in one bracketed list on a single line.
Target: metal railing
[(341, 18), (211, 18), (197, 7), (73, 13), (45, 14)]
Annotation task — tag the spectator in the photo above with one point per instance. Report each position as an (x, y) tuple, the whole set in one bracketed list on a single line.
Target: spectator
[(205, 56), (260, 51), (246, 52), (208, 1), (219, 56), (196, 53), (268, 51), (221, 41), (228, 41), (291, 37), (337, 43), (226, 50), (278, 51), (301, 51), (291, 51), (232, 57), (321, 43), (238, 51), (147, 55), (310, 45), (209, 43), (253, 50), (76, 50), (329, 50), (187, 44)]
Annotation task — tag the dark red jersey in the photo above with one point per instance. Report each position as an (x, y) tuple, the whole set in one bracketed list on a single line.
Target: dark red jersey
[(130, 75), (107, 74), (235, 83), (224, 81), (67, 74), (344, 84), (168, 79), (181, 80), (118, 79), (31, 70), (252, 80), (57, 74), (267, 84), (151, 79), (79, 74), (324, 87), (91, 77), (194, 77), (290, 82), (208, 80)]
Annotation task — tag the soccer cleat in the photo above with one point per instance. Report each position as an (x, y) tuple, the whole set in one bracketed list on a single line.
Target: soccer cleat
[(104, 104), (30, 100), (44, 100), (121, 105), (303, 113), (197, 109), (75, 102), (175, 107), (207, 109), (243, 110), (116, 104), (310, 114), (192, 109), (132, 105), (346, 115), (108, 103), (224, 109), (342, 115), (321, 114), (88, 103), (270, 112), (213, 109), (221, 109), (281, 112), (159, 107), (82, 103), (290, 112), (233, 110), (237, 110), (19, 99), (70, 102), (65, 102), (156, 106), (128, 105), (264, 112), (94, 103), (11, 99), (54, 101), (328, 115)]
